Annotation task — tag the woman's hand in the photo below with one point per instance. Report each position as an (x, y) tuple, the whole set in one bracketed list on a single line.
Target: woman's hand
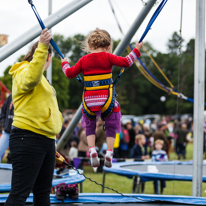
[(139, 45), (64, 60), (45, 37)]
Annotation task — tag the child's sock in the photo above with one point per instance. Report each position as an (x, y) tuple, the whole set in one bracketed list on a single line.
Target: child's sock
[(93, 157), (108, 158)]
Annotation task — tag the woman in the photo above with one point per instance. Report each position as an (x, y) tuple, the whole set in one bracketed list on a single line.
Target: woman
[(36, 122)]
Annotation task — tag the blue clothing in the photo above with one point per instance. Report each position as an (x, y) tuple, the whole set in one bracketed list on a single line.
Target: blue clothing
[(160, 155), (138, 152)]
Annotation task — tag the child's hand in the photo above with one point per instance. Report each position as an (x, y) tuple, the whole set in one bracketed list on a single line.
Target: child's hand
[(64, 60), (138, 45)]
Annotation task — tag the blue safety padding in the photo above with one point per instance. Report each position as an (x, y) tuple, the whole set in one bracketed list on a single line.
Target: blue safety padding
[(118, 168), (116, 198), (68, 180), (6, 166)]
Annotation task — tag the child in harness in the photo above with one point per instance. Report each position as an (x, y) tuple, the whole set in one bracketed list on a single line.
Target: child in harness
[(98, 97)]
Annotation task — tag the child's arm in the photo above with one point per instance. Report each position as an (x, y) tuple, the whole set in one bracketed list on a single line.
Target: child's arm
[(69, 71), (128, 60)]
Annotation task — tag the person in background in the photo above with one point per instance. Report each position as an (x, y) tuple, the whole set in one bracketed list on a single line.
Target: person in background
[(73, 152), (159, 155), (37, 120), (6, 119), (131, 137), (116, 146), (159, 134), (138, 151)]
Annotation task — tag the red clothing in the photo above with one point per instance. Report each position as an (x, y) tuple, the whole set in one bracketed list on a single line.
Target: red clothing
[(94, 64), (98, 63)]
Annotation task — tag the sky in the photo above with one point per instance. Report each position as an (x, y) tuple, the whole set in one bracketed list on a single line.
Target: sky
[(17, 17)]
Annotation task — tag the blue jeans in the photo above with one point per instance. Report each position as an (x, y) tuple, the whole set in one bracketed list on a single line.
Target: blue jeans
[(4, 143), (33, 160)]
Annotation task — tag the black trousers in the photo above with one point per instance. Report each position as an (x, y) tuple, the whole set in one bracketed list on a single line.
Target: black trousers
[(33, 160)]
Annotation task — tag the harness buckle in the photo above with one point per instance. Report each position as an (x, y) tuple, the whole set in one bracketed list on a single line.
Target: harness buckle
[(96, 83)]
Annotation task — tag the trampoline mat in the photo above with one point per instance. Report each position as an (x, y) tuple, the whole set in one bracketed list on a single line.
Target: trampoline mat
[(106, 204), (168, 169), (5, 176)]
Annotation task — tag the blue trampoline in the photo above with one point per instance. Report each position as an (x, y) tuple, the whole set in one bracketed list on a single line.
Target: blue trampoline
[(150, 171)]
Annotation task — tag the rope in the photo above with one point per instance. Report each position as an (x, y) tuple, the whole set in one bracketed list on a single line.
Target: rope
[(52, 42)]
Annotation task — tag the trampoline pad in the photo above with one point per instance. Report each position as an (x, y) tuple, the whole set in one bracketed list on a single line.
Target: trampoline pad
[(168, 169)]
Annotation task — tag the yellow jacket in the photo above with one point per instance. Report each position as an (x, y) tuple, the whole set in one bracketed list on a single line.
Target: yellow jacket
[(35, 104)]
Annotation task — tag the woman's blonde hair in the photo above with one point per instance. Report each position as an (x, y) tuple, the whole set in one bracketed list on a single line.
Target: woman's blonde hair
[(97, 38)]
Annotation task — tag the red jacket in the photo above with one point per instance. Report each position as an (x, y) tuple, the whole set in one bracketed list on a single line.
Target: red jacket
[(94, 64)]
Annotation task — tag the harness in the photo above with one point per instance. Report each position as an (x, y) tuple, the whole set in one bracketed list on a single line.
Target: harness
[(99, 82)]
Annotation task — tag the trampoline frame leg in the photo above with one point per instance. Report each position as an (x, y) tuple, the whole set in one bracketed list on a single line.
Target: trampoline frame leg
[(103, 181)]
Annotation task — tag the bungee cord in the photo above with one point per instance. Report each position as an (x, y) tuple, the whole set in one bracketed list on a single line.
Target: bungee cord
[(52, 42)]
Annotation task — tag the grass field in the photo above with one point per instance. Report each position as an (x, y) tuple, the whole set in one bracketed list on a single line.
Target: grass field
[(124, 185)]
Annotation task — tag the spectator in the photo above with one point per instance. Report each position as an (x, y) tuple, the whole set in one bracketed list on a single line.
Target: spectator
[(159, 155), (100, 134), (138, 151), (73, 152), (131, 137), (6, 119), (82, 147), (159, 134)]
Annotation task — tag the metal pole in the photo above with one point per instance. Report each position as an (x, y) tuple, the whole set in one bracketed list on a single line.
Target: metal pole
[(49, 70), (118, 51), (35, 31), (199, 98)]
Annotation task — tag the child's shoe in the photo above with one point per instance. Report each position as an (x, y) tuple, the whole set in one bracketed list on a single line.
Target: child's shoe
[(73, 191), (60, 191), (94, 157), (108, 158)]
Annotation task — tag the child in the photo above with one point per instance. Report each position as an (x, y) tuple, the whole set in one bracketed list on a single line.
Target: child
[(98, 97), (159, 155), (139, 151)]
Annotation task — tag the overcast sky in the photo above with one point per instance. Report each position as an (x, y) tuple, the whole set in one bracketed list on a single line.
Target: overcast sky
[(16, 17)]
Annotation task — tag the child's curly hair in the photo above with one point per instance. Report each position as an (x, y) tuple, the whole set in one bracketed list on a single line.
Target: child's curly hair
[(97, 38)]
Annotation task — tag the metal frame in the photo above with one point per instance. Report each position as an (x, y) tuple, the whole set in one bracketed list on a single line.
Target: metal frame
[(199, 98)]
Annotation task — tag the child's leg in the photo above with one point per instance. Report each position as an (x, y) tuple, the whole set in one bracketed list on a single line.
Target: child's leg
[(90, 132), (111, 125)]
